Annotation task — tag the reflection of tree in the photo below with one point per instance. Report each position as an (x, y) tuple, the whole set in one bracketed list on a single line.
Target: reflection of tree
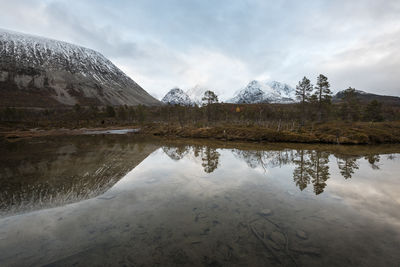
[(391, 157), (373, 160), (301, 174), (265, 159), (176, 153), (319, 170), (347, 165), (210, 157)]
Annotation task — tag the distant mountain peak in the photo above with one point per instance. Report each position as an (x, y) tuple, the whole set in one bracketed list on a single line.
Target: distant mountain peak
[(177, 96), (264, 92), (196, 93)]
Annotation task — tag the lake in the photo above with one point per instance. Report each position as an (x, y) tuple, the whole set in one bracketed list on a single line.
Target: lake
[(132, 201)]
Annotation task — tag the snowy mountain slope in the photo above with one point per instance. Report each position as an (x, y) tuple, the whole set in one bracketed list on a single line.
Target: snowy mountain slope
[(264, 92), (177, 96), (36, 71), (197, 93)]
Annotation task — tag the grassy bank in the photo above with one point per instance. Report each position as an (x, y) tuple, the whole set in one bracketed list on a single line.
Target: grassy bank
[(326, 133), (329, 133)]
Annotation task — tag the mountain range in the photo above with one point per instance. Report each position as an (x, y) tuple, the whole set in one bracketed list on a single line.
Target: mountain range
[(266, 92), (41, 72), (192, 96), (254, 92)]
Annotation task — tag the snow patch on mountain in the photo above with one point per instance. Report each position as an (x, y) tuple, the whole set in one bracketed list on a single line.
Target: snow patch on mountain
[(197, 93), (73, 73), (177, 96), (264, 92)]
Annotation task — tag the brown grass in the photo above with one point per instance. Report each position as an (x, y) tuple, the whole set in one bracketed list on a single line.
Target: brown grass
[(330, 133)]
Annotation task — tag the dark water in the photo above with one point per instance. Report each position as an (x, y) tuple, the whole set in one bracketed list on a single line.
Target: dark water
[(128, 201)]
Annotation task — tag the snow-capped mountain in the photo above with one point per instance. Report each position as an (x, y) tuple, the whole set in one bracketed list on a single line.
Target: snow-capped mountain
[(177, 96), (264, 92), (41, 72), (197, 93)]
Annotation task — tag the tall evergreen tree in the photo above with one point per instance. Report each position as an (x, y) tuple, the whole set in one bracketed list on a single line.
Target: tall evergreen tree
[(209, 98), (323, 93), (303, 94), (303, 90), (373, 111), (350, 108)]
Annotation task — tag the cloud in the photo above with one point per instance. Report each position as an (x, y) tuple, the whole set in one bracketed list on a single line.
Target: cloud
[(372, 64), (198, 66), (225, 44)]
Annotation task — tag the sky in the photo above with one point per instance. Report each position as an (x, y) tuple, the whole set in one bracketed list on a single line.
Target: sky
[(224, 44)]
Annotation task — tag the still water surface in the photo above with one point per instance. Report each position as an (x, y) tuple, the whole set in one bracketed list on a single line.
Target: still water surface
[(125, 200)]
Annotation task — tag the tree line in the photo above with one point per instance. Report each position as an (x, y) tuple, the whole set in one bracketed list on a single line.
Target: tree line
[(314, 105)]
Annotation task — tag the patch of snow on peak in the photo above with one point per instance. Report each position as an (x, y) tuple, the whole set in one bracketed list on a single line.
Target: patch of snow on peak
[(177, 96), (197, 93), (264, 92)]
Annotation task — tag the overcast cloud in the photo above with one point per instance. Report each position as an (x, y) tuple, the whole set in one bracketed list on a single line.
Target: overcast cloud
[(223, 44)]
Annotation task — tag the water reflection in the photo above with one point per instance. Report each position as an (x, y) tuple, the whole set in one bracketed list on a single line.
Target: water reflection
[(57, 171), (311, 166), (42, 173), (168, 203)]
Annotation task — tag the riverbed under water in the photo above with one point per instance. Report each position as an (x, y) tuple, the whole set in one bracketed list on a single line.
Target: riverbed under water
[(133, 201)]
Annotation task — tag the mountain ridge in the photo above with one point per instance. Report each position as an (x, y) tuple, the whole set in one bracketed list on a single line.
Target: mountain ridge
[(41, 72), (366, 97), (264, 92), (177, 96)]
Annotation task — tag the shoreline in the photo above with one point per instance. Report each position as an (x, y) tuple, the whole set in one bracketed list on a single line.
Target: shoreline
[(351, 134)]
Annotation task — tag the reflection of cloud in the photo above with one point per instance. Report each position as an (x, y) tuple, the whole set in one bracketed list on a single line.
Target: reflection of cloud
[(160, 201), (189, 174), (374, 194)]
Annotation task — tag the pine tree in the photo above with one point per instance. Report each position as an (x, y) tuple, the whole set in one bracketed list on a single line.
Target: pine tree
[(373, 111), (303, 90), (350, 108), (303, 93), (323, 93), (209, 98)]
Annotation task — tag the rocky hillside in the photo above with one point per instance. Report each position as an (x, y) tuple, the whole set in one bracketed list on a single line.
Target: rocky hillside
[(40, 72), (365, 97), (177, 96)]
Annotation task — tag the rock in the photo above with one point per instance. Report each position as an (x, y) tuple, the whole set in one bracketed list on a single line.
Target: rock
[(278, 238), (266, 212), (301, 234)]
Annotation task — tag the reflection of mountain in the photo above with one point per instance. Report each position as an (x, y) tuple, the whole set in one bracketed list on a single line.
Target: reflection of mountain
[(64, 170), (208, 155), (176, 153)]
